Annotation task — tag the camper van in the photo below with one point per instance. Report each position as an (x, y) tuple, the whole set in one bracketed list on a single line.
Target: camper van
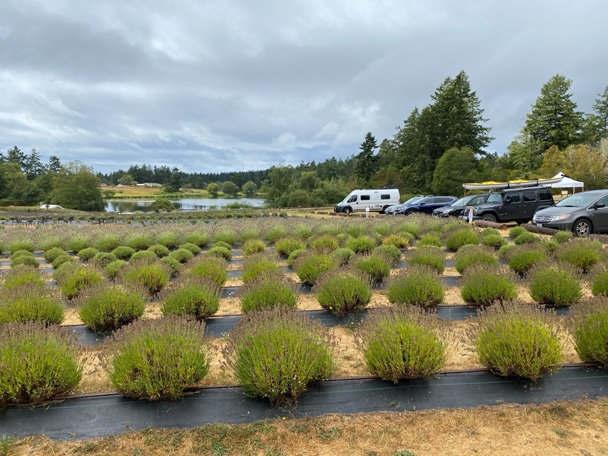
[(375, 200)]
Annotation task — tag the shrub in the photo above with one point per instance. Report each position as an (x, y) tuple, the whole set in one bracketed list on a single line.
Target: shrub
[(87, 254), (259, 265), (460, 238), (157, 359), (22, 275), (139, 241), (223, 244), (582, 253), (38, 363), (24, 260), (18, 253), (113, 269), (102, 259), (195, 297), (550, 245), (287, 245), (123, 252), (526, 238), (221, 252), (152, 276), (249, 234), (489, 232), (410, 228), (311, 266), (516, 231), (343, 291), (470, 255), (429, 256), (61, 259), (143, 255), (522, 259), (275, 233), (293, 256), (159, 250), (555, 285), (495, 241), (483, 286), (181, 255), (195, 249), (277, 353), (253, 246), (325, 243), (389, 251), (375, 266), (562, 236), (505, 250), (267, 292), (399, 241), (107, 243), (418, 286), (195, 238), (591, 332), (104, 308), (361, 244), (171, 240), (430, 239), (518, 340), (599, 286), (20, 244), (30, 303), (343, 255), (173, 265), (225, 236), (401, 343), (49, 243), (78, 243), (73, 278), (53, 253), (211, 268)]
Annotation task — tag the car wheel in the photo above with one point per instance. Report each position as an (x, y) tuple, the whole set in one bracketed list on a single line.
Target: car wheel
[(582, 228), (489, 218), (347, 210), (383, 211)]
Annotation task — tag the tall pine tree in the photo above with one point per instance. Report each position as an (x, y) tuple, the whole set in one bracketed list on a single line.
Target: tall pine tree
[(366, 160)]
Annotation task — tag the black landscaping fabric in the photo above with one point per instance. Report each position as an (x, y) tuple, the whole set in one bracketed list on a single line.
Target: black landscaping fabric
[(89, 417)]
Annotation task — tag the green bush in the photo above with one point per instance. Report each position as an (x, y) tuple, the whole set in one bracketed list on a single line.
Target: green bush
[(195, 238), (18, 253), (418, 286), (429, 256), (30, 303), (460, 238), (211, 268), (49, 243), (518, 340), (555, 285), (470, 255), (37, 362), (195, 249), (377, 267), (158, 359), (102, 259), (104, 308), (171, 240), (343, 291), (22, 275), (123, 252), (221, 252), (159, 250), (253, 246), (152, 276), (172, 264), (325, 243), (388, 251), (225, 236), (399, 241), (562, 236), (275, 233), (73, 278), (24, 260), (139, 241), (582, 253), (194, 297), (516, 231), (143, 255), (53, 253), (484, 286), (591, 332), (277, 353), (223, 244), (61, 259), (550, 245), (20, 244), (361, 244), (249, 234), (430, 239), (495, 241), (78, 243), (599, 286), (267, 292), (310, 267), (343, 255), (522, 259), (489, 232), (259, 265), (401, 343), (182, 255), (410, 228), (293, 256), (87, 254), (113, 269), (526, 238), (285, 246), (107, 243)]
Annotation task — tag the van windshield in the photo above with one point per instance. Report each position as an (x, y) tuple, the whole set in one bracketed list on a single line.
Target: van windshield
[(494, 198)]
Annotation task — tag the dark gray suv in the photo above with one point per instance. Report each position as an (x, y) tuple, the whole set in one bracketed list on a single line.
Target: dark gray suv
[(582, 213), (514, 204)]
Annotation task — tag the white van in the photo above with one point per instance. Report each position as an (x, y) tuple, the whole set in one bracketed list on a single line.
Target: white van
[(375, 200)]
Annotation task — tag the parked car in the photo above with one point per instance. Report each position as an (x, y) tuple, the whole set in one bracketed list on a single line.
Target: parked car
[(457, 208), (514, 205), (392, 209), (375, 200), (426, 204), (582, 213)]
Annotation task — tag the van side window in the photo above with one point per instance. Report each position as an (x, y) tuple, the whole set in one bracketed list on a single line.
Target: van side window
[(544, 195), (514, 197), (529, 196), (385, 197), (352, 199), (364, 197)]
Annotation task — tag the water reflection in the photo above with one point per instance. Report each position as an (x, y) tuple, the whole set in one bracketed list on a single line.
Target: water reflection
[(184, 204)]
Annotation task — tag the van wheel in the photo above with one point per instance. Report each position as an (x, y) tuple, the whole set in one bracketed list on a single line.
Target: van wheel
[(489, 218), (582, 228), (347, 210)]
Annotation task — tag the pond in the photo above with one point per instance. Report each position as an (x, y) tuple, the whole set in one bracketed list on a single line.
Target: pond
[(183, 204)]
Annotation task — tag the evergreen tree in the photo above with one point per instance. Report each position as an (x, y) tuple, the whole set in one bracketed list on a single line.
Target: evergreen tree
[(15, 155), (32, 165), (454, 168), (366, 161), (54, 164), (596, 124)]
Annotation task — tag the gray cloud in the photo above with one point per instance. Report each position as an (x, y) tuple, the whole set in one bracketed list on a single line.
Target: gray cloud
[(214, 86)]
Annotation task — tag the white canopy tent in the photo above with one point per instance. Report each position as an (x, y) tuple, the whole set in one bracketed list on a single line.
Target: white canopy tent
[(567, 182)]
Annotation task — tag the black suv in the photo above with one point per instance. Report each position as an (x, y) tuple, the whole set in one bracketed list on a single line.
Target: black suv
[(514, 204)]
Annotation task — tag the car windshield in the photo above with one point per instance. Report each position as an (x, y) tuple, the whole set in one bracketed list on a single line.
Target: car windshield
[(412, 200), (580, 200), (462, 201), (494, 198)]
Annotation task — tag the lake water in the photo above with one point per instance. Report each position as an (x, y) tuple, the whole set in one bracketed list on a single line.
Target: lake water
[(184, 204)]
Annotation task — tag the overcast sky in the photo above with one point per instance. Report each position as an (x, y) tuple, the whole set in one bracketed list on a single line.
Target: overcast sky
[(233, 85)]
